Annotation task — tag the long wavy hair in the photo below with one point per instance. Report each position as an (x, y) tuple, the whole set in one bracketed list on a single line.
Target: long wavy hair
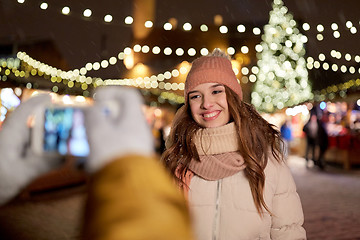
[(257, 140)]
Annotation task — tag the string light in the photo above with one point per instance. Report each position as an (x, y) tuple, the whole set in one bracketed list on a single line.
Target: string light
[(167, 26), (65, 10), (223, 29), (129, 20), (108, 18), (44, 6), (87, 13), (69, 75), (241, 28), (187, 26), (149, 24), (204, 28)]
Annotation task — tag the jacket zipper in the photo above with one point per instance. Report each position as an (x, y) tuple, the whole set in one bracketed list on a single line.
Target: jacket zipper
[(217, 211)]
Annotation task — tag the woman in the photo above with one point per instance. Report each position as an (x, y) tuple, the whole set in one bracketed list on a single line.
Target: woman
[(227, 160)]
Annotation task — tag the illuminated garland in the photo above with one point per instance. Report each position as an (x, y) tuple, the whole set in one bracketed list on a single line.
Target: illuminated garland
[(8, 67), (341, 89), (73, 76), (128, 20), (146, 84)]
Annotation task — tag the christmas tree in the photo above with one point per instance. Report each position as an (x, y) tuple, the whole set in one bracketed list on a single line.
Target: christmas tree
[(282, 80)]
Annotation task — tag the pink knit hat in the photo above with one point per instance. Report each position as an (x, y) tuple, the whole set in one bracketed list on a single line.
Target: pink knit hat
[(212, 69)]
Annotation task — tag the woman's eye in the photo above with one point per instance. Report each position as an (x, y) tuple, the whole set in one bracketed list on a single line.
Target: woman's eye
[(217, 91), (194, 96)]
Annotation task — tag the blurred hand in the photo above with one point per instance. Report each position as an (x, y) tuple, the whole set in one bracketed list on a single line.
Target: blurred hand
[(19, 164), (116, 126)]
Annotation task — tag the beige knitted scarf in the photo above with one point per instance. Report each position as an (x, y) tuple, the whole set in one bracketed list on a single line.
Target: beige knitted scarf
[(219, 153)]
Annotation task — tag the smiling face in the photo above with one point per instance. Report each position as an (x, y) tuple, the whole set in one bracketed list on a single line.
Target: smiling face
[(208, 105)]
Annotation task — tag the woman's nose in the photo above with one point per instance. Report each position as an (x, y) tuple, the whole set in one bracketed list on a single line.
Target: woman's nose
[(207, 102)]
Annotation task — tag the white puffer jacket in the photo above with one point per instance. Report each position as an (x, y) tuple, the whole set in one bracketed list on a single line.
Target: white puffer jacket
[(225, 210)]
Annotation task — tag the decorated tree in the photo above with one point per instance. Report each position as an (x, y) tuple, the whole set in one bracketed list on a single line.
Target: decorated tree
[(282, 80)]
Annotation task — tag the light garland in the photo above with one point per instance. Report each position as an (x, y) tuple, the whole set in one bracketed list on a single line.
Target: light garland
[(146, 82), (10, 65), (312, 63), (163, 96), (71, 77), (168, 26), (331, 91)]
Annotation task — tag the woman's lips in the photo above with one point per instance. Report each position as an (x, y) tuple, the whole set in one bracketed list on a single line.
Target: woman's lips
[(210, 116)]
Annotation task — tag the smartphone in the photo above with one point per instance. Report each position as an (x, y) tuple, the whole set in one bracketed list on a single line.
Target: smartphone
[(60, 130)]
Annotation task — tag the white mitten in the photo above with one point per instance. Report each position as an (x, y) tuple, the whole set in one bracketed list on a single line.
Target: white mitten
[(19, 164), (116, 126)]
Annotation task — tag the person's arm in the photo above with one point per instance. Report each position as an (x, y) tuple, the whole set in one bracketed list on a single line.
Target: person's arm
[(288, 216), (134, 198), (130, 194)]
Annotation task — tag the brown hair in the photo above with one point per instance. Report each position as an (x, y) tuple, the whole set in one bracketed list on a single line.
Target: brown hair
[(257, 140)]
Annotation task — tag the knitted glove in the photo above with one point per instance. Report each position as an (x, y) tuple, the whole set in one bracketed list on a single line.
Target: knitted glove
[(116, 126), (19, 164)]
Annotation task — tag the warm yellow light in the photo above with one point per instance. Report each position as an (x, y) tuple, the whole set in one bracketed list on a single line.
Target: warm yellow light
[(320, 28), (167, 26), (187, 26), (191, 52), (96, 66), (127, 51), (334, 26), (353, 30), (245, 71), (145, 49), (230, 50), (322, 57), (87, 13), (121, 55), (306, 26), (241, 28), (326, 66), (108, 18), (258, 48), (256, 31), (137, 48), (129, 20), (44, 6), (65, 10), (179, 51), (223, 29), (218, 20), (252, 78), (148, 24), (112, 60), (104, 63), (244, 49), (204, 51), (156, 50), (167, 51), (319, 37), (129, 60), (349, 24), (204, 28)]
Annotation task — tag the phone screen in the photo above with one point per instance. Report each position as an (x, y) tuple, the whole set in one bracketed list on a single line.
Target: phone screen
[(64, 132)]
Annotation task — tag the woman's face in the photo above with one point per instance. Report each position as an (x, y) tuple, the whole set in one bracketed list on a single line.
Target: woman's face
[(208, 105)]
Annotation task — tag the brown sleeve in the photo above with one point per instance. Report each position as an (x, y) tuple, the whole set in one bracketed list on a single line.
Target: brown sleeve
[(134, 198)]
